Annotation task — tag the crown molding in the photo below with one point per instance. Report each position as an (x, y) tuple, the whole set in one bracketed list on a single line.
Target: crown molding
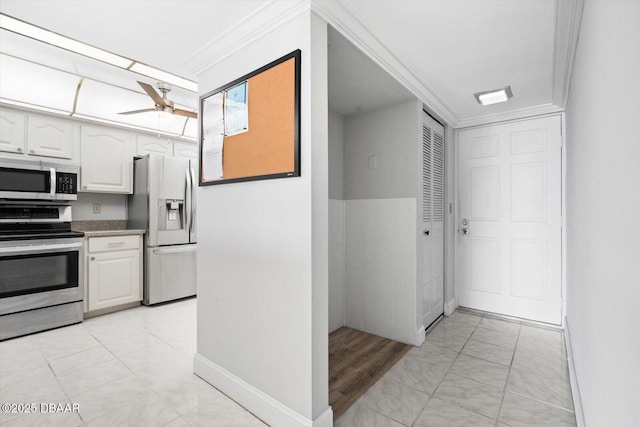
[(254, 26), (340, 17), (568, 17), (276, 13), (522, 113)]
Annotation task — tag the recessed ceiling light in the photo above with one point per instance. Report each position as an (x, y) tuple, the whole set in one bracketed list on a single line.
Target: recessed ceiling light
[(37, 33), (494, 96)]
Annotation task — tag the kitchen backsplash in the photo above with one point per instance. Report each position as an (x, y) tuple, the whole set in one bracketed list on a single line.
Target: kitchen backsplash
[(99, 206)]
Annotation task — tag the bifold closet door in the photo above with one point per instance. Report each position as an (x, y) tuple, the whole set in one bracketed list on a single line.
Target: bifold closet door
[(432, 230)]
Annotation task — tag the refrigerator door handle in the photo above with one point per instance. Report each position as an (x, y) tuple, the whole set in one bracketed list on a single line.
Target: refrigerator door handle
[(192, 208), (187, 204), (175, 250)]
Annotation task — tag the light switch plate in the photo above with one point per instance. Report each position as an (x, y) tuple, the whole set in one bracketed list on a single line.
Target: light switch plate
[(373, 161), (96, 208)]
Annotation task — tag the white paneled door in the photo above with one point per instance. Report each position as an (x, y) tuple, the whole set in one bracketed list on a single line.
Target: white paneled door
[(432, 230), (509, 219)]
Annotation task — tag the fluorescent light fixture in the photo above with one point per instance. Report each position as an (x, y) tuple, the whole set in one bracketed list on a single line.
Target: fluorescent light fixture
[(494, 96), (46, 36), (28, 30), (5, 101), (154, 73)]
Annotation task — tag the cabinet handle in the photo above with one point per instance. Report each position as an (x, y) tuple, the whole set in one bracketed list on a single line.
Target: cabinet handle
[(32, 151), (116, 243), (93, 258), (19, 150), (84, 187)]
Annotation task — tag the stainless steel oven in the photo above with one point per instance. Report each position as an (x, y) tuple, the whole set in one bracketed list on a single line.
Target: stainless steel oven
[(37, 180), (41, 275)]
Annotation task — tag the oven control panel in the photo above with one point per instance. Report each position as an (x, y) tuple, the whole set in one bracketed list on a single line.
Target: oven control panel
[(67, 183)]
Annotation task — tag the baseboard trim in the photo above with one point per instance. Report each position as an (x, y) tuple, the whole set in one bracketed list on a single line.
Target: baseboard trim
[(257, 402), (573, 379), (450, 306), (420, 336)]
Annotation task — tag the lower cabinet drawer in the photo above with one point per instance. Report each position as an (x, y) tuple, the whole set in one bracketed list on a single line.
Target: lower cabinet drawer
[(113, 243)]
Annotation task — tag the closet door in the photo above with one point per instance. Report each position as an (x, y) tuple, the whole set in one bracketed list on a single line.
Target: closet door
[(432, 232)]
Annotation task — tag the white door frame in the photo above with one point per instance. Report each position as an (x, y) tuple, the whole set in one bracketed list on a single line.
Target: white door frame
[(452, 302)]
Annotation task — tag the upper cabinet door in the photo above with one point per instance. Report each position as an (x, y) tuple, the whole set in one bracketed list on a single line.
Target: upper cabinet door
[(50, 137), (12, 132), (106, 160), (149, 144), (186, 150)]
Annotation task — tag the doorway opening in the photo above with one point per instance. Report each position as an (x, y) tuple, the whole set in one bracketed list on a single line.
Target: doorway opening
[(383, 247)]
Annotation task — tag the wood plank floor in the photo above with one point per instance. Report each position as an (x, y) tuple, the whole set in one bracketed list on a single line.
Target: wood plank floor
[(356, 361)]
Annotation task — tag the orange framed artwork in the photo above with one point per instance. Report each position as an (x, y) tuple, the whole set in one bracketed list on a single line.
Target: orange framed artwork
[(250, 127)]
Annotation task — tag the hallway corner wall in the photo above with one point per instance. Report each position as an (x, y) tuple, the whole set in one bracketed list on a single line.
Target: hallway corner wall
[(603, 205), (263, 251)]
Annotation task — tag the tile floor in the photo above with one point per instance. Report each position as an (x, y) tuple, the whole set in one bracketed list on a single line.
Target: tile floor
[(134, 368), (473, 370), (130, 368)]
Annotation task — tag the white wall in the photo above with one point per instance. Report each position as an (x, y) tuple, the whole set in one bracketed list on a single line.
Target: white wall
[(336, 221), (336, 156), (450, 225), (380, 221), (603, 211), (262, 258), (112, 207), (389, 135)]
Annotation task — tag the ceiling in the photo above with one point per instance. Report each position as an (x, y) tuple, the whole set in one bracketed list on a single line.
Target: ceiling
[(441, 51), (460, 47), (356, 82)]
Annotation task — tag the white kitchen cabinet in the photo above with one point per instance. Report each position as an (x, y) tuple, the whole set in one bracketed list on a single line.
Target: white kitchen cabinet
[(114, 265), (106, 160), (149, 144), (186, 150), (12, 131), (49, 137)]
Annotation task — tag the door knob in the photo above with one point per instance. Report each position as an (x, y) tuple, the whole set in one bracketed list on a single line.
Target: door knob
[(465, 231)]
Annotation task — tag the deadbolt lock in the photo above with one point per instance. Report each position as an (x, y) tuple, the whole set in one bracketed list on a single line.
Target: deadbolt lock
[(465, 222)]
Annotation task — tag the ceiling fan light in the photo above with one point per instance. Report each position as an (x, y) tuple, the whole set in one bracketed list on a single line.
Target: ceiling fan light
[(494, 96), (28, 30), (164, 116)]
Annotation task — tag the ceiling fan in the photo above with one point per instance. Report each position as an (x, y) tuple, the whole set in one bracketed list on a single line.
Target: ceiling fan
[(162, 104)]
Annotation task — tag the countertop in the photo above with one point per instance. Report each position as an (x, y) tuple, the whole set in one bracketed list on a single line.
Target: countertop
[(98, 233), (104, 228)]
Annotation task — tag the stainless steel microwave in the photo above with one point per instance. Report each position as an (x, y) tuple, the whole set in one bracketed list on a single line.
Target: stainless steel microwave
[(37, 180)]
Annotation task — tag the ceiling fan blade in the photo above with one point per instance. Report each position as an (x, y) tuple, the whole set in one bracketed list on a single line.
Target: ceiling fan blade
[(153, 94), (185, 113), (139, 111)]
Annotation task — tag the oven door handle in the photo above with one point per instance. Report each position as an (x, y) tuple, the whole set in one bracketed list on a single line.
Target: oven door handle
[(16, 250), (52, 189)]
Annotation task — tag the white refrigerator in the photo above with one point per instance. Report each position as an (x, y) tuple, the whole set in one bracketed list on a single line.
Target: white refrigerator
[(163, 202)]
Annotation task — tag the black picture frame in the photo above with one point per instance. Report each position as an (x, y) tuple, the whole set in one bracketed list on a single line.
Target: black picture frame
[(295, 138)]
